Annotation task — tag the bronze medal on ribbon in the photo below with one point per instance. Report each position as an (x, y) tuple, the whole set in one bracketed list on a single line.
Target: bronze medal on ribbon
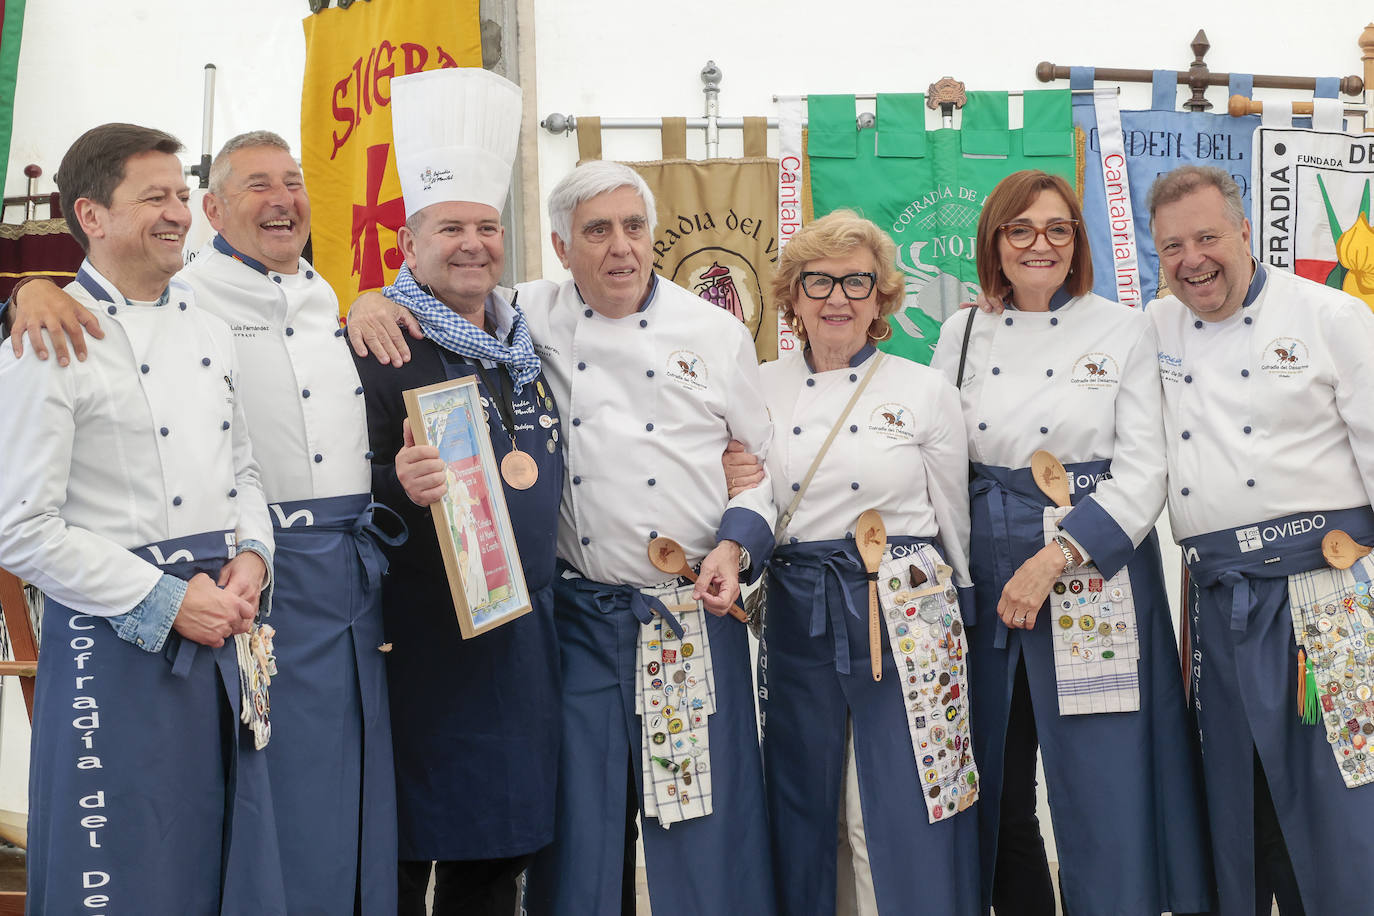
[(518, 469)]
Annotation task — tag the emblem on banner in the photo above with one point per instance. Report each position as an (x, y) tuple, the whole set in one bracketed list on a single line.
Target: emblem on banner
[(1095, 370), (1284, 356), (687, 369), (725, 279), (892, 421)]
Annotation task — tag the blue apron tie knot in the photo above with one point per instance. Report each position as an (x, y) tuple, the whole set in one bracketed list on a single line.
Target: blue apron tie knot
[(612, 598)]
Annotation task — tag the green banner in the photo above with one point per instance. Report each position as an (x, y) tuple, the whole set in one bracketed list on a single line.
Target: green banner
[(927, 187), (12, 30)]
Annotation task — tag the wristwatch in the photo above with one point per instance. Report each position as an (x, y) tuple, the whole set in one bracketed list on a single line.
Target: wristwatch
[(1070, 564), (743, 558)]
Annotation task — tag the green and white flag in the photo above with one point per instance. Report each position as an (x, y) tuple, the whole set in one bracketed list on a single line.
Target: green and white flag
[(927, 187), (11, 31)]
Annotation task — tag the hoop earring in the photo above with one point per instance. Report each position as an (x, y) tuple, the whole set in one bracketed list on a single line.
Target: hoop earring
[(886, 330)]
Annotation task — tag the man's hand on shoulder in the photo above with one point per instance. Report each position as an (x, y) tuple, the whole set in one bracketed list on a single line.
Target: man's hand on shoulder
[(374, 326), (46, 307)]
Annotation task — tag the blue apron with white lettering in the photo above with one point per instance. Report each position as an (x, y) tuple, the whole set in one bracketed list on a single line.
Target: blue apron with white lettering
[(330, 755), (147, 794), (715, 864), (814, 661), (1245, 691), (1125, 789), (475, 722)]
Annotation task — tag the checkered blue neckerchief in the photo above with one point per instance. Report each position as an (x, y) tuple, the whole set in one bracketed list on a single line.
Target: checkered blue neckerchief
[(445, 327)]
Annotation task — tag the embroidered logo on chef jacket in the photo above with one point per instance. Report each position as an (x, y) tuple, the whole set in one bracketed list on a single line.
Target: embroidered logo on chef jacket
[(250, 330), (1095, 370), (1170, 366), (892, 421), (1284, 356), (688, 369)]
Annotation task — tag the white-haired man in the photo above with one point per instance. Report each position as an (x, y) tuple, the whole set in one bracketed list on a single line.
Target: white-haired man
[(652, 382)]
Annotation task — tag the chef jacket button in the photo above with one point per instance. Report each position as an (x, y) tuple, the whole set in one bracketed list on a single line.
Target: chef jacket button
[(205, 360), (1054, 321), (276, 278), (1249, 320), (1184, 491), (853, 427), (586, 541), (1245, 373), (176, 500), (577, 421), (163, 431), (290, 331), (643, 322), (318, 457), (853, 376), (1008, 322), (649, 373), (576, 479), (309, 275), (182, 306), (581, 366), (793, 540), (224, 425), (648, 427), (1246, 430), (652, 481), (1250, 482), (305, 392), (368, 454), (810, 383), (233, 492), (1186, 434), (796, 487), (112, 310), (796, 430), (982, 426), (652, 535), (587, 313), (339, 332), (1188, 379), (1198, 325), (854, 486), (143, 368), (996, 371), (1049, 372), (1044, 430)]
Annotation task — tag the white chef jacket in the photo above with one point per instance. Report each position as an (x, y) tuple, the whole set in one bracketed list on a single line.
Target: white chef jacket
[(1078, 381), (300, 389), (901, 450), (1269, 412), (648, 403), (143, 441)]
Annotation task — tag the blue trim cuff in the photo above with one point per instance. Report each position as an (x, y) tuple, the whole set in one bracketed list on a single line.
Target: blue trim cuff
[(968, 607), (148, 624), (748, 529), (1091, 526), (264, 599)]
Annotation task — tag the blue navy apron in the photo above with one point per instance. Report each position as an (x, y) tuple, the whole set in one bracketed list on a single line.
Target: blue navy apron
[(716, 864), (475, 722), (1125, 789), (815, 664), (1245, 688), (146, 790), (330, 755)]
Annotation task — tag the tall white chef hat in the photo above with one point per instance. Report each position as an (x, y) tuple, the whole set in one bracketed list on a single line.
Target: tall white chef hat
[(455, 132)]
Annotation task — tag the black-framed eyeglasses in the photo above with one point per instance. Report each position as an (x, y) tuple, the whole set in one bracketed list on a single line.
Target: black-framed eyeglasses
[(817, 285), (1022, 235)]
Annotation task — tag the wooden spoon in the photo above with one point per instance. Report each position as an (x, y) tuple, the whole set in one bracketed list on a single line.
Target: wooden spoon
[(1051, 477), (1341, 551), (668, 556), (870, 534)]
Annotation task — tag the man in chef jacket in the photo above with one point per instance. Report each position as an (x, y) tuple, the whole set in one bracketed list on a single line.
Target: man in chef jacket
[(651, 383), (130, 497), (304, 404), (1269, 430)]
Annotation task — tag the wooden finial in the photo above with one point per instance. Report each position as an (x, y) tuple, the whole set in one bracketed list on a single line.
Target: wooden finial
[(1197, 74), (946, 91), (32, 171)]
